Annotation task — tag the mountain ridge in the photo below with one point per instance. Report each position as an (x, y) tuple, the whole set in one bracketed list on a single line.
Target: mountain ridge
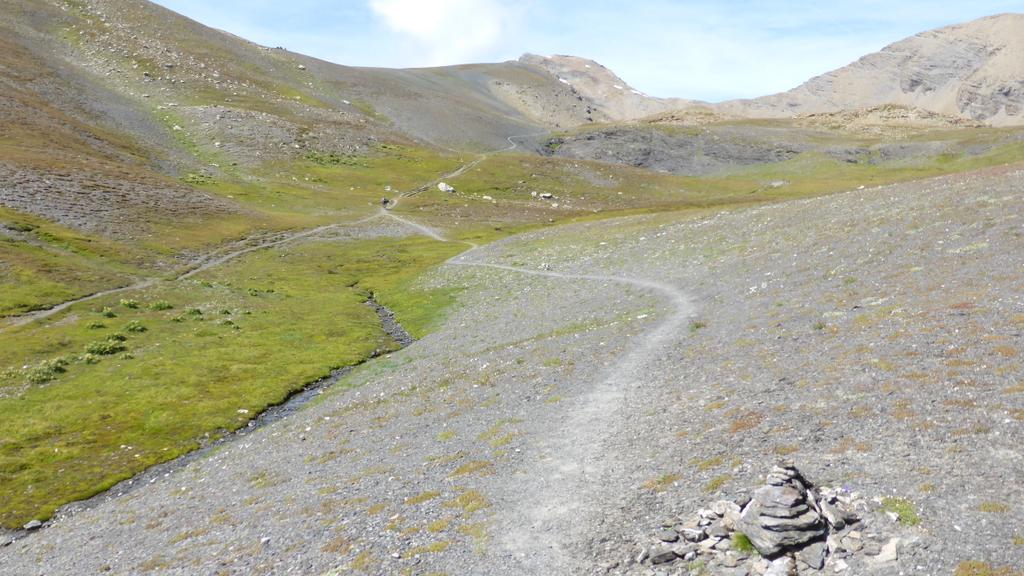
[(972, 70)]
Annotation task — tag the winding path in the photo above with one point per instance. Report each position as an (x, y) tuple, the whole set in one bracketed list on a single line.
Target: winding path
[(574, 479)]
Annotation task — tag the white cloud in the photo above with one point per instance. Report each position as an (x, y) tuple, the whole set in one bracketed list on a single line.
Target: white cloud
[(449, 31)]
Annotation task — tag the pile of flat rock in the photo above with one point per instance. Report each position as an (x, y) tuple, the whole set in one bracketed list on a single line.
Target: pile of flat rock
[(786, 527)]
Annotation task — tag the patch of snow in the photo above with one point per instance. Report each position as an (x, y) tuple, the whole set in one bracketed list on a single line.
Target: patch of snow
[(617, 87), (564, 81)]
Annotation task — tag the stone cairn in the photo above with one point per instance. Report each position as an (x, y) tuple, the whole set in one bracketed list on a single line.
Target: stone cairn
[(786, 527)]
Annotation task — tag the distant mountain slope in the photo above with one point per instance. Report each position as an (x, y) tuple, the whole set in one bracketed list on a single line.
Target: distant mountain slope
[(973, 70), (611, 98)]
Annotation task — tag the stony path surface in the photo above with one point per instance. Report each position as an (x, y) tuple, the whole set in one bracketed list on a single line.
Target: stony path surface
[(874, 337), (572, 481)]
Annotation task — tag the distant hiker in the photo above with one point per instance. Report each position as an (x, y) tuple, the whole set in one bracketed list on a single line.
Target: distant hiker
[(384, 203)]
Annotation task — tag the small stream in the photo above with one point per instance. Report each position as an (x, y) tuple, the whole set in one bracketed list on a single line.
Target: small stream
[(292, 404)]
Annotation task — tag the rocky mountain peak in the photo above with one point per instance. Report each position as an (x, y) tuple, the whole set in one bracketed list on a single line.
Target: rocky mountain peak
[(605, 90)]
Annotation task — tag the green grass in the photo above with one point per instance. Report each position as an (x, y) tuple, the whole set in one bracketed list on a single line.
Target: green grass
[(742, 543), (43, 264), (292, 316), (904, 509)]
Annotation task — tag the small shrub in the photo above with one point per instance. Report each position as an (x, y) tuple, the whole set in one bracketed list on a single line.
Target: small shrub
[(107, 312), (89, 359), (117, 337), (161, 305), (105, 348), (46, 371), (697, 325), (128, 303), (195, 179), (194, 312), (136, 327), (819, 325), (96, 326), (332, 159)]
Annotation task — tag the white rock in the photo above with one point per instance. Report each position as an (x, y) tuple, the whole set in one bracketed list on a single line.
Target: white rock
[(783, 566), (445, 187), (889, 552)]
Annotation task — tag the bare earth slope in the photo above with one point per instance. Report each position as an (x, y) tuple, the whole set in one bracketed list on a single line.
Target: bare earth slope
[(872, 336), (973, 70)]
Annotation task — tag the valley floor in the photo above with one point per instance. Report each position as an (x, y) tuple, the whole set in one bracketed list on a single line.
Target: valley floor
[(600, 378)]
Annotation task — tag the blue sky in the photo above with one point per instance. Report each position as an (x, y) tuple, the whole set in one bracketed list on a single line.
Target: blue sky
[(706, 50)]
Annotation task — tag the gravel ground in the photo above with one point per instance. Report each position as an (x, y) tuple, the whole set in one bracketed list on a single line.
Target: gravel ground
[(605, 377)]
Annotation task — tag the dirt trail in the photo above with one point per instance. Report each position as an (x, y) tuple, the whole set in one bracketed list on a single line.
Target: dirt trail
[(574, 479), (24, 319)]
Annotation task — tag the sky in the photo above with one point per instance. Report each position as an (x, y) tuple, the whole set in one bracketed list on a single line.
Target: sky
[(707, 50)]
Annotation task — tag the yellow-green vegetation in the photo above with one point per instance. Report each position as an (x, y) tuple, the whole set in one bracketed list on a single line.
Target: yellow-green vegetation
[(716, 483), (474, 467), (979, 568), (326, 187), (239, 339), (662, 483), (424, 497), (363, 562), (903, 508), (432, 548), (439, 525), (709, 463), (741, 543), (469, 501), (475, 530), (44, 264), (698, 568), (993, 507)]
